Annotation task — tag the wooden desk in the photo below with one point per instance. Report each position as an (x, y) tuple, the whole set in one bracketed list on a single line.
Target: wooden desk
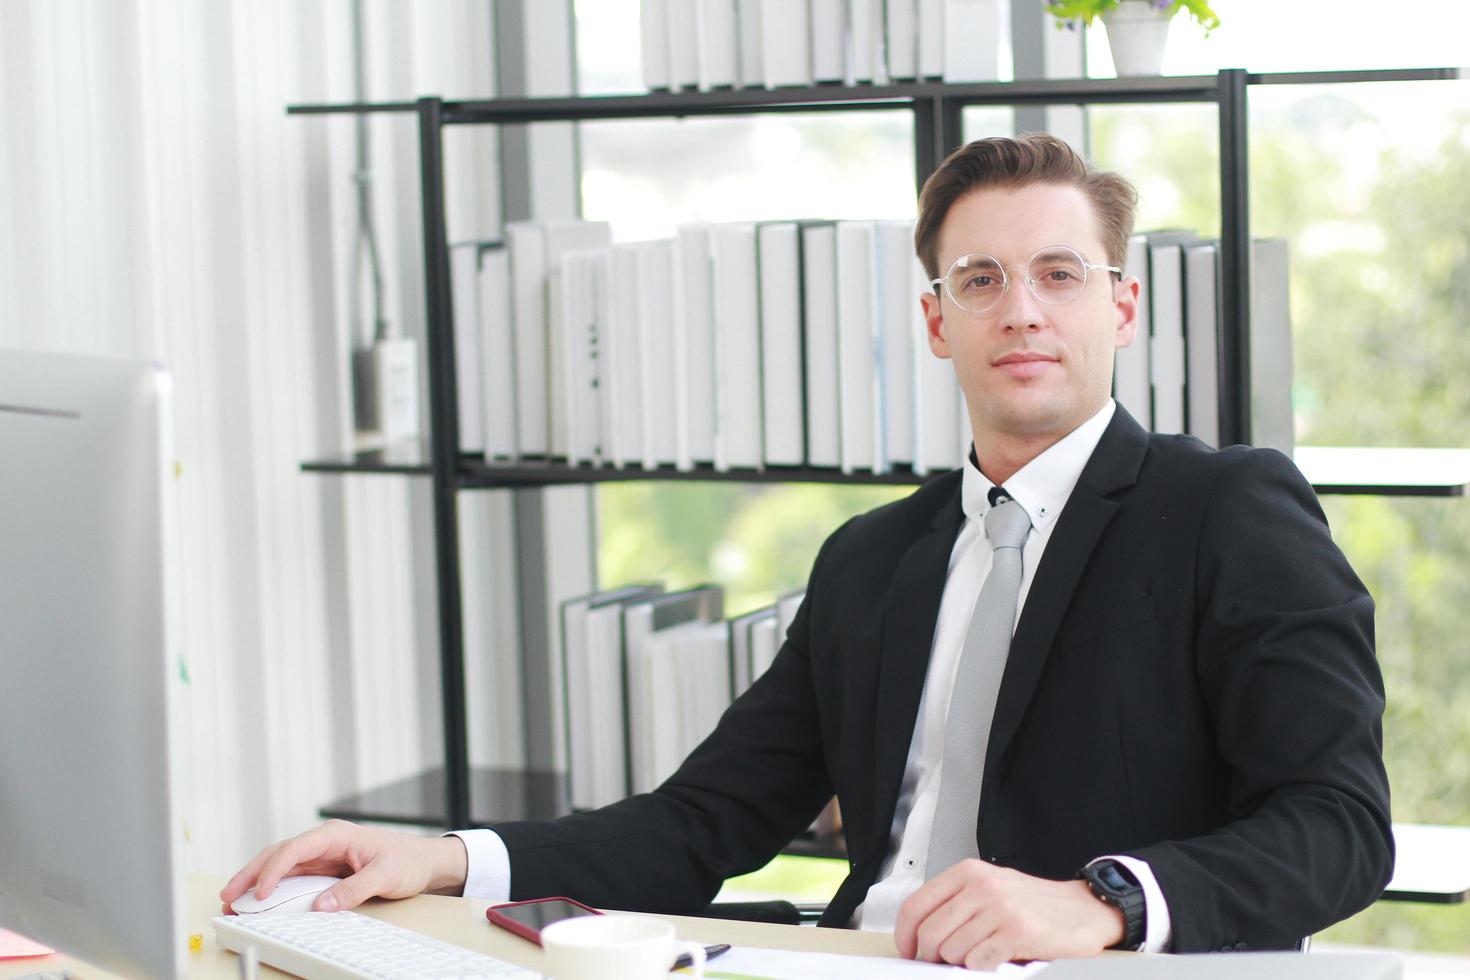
[(462, 921)]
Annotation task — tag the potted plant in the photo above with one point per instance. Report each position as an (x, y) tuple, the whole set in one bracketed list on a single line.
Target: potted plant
[(1137, 29)]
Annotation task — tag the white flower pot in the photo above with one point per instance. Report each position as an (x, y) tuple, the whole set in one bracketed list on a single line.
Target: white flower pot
[(1137, 33)]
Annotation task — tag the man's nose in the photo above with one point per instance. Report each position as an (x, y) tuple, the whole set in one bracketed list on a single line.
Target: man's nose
[(1020, 310)]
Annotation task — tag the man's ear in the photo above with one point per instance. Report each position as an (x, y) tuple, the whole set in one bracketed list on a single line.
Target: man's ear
[(1125, 303), (934, 324)]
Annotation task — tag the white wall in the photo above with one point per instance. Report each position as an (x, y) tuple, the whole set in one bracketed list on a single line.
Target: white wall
[(157, 202)]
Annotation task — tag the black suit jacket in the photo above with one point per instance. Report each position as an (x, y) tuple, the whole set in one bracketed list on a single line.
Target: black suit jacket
[(1192, 681)]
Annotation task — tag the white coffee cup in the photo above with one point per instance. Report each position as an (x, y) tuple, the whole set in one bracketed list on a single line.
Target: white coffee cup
[(614, 947)]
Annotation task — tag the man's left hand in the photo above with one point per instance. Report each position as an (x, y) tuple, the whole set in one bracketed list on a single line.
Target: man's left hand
[(981, 916)]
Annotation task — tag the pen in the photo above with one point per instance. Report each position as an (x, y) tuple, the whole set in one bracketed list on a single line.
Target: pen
[(710, 952)]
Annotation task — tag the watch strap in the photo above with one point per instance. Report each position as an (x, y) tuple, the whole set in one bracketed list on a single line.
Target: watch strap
[(1114, 884)]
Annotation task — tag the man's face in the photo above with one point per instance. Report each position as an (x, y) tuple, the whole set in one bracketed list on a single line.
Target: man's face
[(1029, 369)]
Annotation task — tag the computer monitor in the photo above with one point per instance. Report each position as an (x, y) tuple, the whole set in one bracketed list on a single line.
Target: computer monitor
[(91, 835)]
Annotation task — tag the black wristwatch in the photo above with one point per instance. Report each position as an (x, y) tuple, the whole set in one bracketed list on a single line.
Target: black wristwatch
[(1115, 884)]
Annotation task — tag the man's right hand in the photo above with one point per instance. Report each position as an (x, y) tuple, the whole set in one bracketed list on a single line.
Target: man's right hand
[(371, 862)]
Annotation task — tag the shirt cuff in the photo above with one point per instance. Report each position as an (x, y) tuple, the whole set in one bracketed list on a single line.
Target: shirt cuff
[(1158, 931), (487, 874)]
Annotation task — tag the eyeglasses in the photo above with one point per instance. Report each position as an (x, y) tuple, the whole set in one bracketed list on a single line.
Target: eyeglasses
[(1055, 275)]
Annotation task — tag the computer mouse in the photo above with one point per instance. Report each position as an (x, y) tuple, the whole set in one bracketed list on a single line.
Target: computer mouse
[(290, 895)]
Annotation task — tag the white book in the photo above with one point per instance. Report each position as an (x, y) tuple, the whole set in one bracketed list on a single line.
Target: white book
[(787, 605), (464, 275), (740, 647), (653, 33), (737, 347), (751, 62), (623, 391), (660, 720), (526, 242), (656, 369), (717, 33), (702, 666), (577, 710), (931, 38), (859, 402), (683, 30), (972, 32), (1166, 316), (609, 779), (782, 375), (819, 315), (1272, 422), (902, 44), (1130, 365), (497, 354), (829, 40), (765, 643), (861, 17), (899, 310), (786, 47), (653, 720), (580, 304), (694, 346), (562, 237), (592, 680), (649, 688), (936, 391), (1201, 340)]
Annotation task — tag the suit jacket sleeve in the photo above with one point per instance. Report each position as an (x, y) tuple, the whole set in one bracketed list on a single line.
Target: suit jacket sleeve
[(1285, 660), (755, 783)]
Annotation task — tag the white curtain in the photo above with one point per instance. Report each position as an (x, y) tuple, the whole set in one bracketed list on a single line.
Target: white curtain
[(157, 202)]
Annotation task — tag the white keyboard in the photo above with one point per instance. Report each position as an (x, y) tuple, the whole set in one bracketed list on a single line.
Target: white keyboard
[(349, 946)]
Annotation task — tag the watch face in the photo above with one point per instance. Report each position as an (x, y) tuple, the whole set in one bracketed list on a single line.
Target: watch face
[(1112, 877)]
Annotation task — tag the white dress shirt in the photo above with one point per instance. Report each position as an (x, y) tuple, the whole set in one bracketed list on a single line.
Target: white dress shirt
[(1042, 487)]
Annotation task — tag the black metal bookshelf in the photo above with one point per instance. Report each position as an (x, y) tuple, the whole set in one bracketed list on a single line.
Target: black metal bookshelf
[(457, 796)]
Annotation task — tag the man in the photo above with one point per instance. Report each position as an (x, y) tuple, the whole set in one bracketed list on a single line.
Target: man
[(1092, 651)]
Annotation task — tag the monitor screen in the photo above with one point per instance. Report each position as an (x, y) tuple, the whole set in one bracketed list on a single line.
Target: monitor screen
[(91, 836)]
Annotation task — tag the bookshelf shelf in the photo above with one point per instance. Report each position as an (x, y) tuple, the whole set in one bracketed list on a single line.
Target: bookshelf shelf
[(495, 794), (458, 795), (830, 97), (1385, 472)]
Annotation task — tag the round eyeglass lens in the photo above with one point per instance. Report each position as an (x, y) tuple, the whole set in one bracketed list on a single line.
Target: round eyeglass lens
[(977, 282), (1056, 275)]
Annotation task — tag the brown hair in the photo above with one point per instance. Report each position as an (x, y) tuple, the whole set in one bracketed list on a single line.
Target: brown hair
[(1032, 158)]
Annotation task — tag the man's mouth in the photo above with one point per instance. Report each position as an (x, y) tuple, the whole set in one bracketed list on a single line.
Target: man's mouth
[(1023, 357), (1024, 365)]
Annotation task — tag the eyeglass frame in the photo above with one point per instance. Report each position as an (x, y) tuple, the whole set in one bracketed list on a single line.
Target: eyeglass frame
[(1005, 281)]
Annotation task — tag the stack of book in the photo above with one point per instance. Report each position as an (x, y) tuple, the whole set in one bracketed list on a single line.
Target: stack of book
[(709, 44), (796, 344), (732, 346), (1168, 378), (647, 674)]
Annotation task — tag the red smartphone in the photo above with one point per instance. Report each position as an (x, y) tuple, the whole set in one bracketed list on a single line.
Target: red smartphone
[(527, 919)]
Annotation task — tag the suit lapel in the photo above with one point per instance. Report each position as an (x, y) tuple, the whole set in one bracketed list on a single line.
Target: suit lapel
[(910, 614), (1114, 466)]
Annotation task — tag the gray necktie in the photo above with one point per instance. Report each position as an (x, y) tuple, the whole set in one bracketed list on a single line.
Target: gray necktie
[(976, 684)]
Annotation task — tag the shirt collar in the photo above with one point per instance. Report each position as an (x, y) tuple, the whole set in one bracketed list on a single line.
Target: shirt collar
[(1043, 485)]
